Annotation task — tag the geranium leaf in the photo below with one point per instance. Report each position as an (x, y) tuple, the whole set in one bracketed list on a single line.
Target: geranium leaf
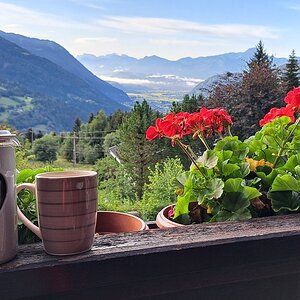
[(223, 156), (208, 160), (238, 195), (292, 162), (297, 172), (181, 179), (183, 219), (268, 179), (223, 215), (182, 205), (285, 200), (243, 171), (227, 169), (214, 189), (285, 183)]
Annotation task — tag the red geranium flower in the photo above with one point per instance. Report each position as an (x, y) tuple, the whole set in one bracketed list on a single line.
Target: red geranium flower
[(275, 113), (195, 123), (215, 120), (154, 131), (174, 125), (293, 99)]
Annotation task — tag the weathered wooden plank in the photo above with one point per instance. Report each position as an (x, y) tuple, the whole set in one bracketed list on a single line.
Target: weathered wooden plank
[(238, 260)]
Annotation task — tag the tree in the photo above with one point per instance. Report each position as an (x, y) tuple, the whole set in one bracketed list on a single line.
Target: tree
[(77, 125), (115, 120), (45, 148), (260, 57), (135, 151), (291, 74), (249, 100), (91, 117), (188, 104), (30, 135)]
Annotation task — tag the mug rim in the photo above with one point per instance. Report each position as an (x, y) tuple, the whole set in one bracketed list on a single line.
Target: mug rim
[(66, 174)]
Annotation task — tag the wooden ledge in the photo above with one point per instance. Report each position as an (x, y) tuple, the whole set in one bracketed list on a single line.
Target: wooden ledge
[(233, 260)]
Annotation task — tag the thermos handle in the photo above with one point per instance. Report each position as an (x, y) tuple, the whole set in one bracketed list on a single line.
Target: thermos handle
[(36, 230), (3, 190)]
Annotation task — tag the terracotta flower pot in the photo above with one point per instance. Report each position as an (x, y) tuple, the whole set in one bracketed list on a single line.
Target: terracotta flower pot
[(117, 222), (162, 220)]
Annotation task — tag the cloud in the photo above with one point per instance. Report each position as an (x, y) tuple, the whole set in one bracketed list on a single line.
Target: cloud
[(172, 26), (22, 16), (294, 7), (95, 40), (94, 6), (127, 80)]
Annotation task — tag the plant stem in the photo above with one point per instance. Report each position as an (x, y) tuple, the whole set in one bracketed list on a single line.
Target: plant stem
[(284, 143), (229, 131), (185, 150), (203, 140)]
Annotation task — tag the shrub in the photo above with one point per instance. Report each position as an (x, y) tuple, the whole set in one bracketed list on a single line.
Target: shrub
[(159, 192), (116, 188)]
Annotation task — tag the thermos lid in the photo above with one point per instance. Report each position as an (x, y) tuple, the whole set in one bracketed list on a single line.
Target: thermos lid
[(8, 139)]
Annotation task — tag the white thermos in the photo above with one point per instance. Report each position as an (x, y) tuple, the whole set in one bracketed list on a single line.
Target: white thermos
[(8, 205)]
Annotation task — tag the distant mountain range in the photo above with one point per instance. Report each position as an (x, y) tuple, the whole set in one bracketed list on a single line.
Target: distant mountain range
[(43, 86), (207, 86), (156, 73)]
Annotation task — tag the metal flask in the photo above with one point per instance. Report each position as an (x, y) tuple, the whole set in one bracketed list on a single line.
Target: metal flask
[(8, 205)]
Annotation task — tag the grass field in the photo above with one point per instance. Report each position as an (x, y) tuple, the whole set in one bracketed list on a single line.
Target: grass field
[(6, 102), (59, 163)]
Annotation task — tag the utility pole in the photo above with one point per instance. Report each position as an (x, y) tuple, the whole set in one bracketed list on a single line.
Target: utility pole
[(74, 149)]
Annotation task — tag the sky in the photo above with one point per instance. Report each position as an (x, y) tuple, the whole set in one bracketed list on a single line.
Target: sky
[(168, 28)]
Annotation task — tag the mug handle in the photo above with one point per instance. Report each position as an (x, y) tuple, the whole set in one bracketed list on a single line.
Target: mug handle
[(36, 230)]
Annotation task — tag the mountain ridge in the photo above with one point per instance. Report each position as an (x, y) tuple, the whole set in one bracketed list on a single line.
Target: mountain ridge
[(49, 50), (36, 92)]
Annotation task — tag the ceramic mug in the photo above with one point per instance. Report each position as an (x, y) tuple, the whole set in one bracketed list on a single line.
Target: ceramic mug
[(67, 206)]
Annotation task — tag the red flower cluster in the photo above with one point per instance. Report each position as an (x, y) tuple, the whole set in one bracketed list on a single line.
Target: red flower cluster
[(275, 113), (293, 106), (175, 126), (209, 121), (293, 99)]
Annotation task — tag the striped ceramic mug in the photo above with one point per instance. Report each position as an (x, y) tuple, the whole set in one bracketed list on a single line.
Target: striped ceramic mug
[(67, 205)]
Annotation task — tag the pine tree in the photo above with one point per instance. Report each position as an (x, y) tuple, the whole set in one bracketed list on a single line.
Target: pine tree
[(188, 104), (135, 151), (291, 75), (77, 124), (260, 57), (91, 117)]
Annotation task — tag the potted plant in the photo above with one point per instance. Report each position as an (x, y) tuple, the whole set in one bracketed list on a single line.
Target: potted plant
[(234, 180)]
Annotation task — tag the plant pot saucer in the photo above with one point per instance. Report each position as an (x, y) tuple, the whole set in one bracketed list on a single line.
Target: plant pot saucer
[(162, 220), (117, 222)]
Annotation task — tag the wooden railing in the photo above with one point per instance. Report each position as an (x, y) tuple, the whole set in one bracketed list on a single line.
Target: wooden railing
[(257, 259)]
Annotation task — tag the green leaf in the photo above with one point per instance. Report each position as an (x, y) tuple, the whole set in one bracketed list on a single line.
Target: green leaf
[(213, 190), (223, 215), (182, 205), (292, 163), (227, 169), (28, 174), (285, 183), (285, 200), (238, 195), (243, 171), (183, 219), (239, 148), (181, 179), (223, 156), (267, 180), (297, 172), (208, 160)]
